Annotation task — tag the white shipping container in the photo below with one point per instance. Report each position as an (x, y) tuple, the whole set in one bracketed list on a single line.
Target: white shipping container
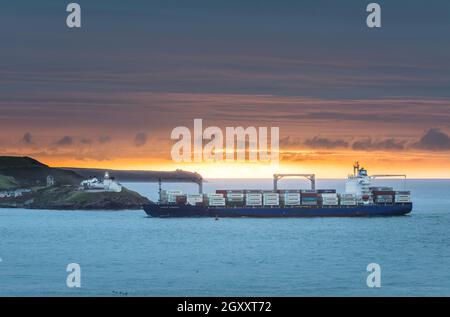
[(171, 198), (195, 196), (292, 196), (271, 199), (215, 196), (403, 198), (253, 204), (329, 195), (216, 202), (292, 203), (330, 199), (291, 199), (348, 202), (330, 203), (253, 199), (171, 192), (194, 199)]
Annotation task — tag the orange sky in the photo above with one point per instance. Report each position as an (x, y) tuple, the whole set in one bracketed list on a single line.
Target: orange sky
[(324, 165)]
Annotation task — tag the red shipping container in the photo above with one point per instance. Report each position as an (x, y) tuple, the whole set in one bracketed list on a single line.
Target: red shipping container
[(222, 191)]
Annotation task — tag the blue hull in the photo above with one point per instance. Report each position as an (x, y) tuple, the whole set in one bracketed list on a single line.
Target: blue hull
[(161, 210)]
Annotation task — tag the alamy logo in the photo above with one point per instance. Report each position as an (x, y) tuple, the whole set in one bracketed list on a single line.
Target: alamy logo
[(74, 278), (374, 18), (374, 278), (232, 146), (74, 18)]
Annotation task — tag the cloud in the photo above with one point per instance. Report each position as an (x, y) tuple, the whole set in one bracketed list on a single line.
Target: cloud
[(140, 139), (324, 143), (27, 138), (289, 141), (86, 141), (433, 140), (104, 139), (65, 141), (383, 145), (302, 157)]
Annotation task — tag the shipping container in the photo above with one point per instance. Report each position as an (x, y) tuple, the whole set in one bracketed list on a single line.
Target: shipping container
[(386, 192), (330, 202), (288, 191), (219, 202), (215, 195), (271, 199), (326, 191), (402, 198), (194, 199), (290, 199), (348, 202), (329, 195), (404, 192), (222, 192), (308, 191), (253, 199), (235, 196), (181, 199)]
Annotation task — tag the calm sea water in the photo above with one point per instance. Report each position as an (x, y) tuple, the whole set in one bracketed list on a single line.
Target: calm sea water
[(133, 254)]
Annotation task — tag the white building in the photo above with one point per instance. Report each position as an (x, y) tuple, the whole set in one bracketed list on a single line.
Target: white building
[(14, 193), (50, 181), (106, 185)]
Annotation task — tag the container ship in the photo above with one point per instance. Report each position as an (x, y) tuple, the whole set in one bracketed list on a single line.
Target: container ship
[(359, 200)]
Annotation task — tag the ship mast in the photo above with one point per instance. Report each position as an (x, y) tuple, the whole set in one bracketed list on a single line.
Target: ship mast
[(355, 168)]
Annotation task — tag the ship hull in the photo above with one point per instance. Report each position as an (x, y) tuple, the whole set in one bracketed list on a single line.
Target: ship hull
[(164, 211)]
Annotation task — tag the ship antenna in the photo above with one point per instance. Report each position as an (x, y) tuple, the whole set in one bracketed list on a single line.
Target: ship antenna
[(159, 190), (355, 168)]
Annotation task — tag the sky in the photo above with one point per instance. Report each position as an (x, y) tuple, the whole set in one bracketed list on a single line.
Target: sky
[(109, 94)]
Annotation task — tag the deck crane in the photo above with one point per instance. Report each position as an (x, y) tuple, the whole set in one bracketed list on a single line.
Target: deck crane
[(310, 177)]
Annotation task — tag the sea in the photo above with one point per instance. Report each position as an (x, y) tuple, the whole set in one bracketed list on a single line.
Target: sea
[(127, 253)]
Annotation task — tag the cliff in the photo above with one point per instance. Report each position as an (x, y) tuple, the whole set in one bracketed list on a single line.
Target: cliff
[(27, 173)]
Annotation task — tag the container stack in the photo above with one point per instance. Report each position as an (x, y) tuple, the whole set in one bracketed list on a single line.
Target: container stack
[(181, 199), (290, 198), (348, 200), (309, 197), (253, 199), (329, 199), (235, 198), (170, 196), (216, 200), (383, 195), (271, 199), (384, 199), (224, 192), (403, 197), (194, 200)]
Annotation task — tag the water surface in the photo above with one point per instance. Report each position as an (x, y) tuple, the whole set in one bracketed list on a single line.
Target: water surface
[(133, 254)]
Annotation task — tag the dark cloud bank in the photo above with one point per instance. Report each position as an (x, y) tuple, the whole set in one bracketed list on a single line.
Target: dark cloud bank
[(140, 139), (432, 140)]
